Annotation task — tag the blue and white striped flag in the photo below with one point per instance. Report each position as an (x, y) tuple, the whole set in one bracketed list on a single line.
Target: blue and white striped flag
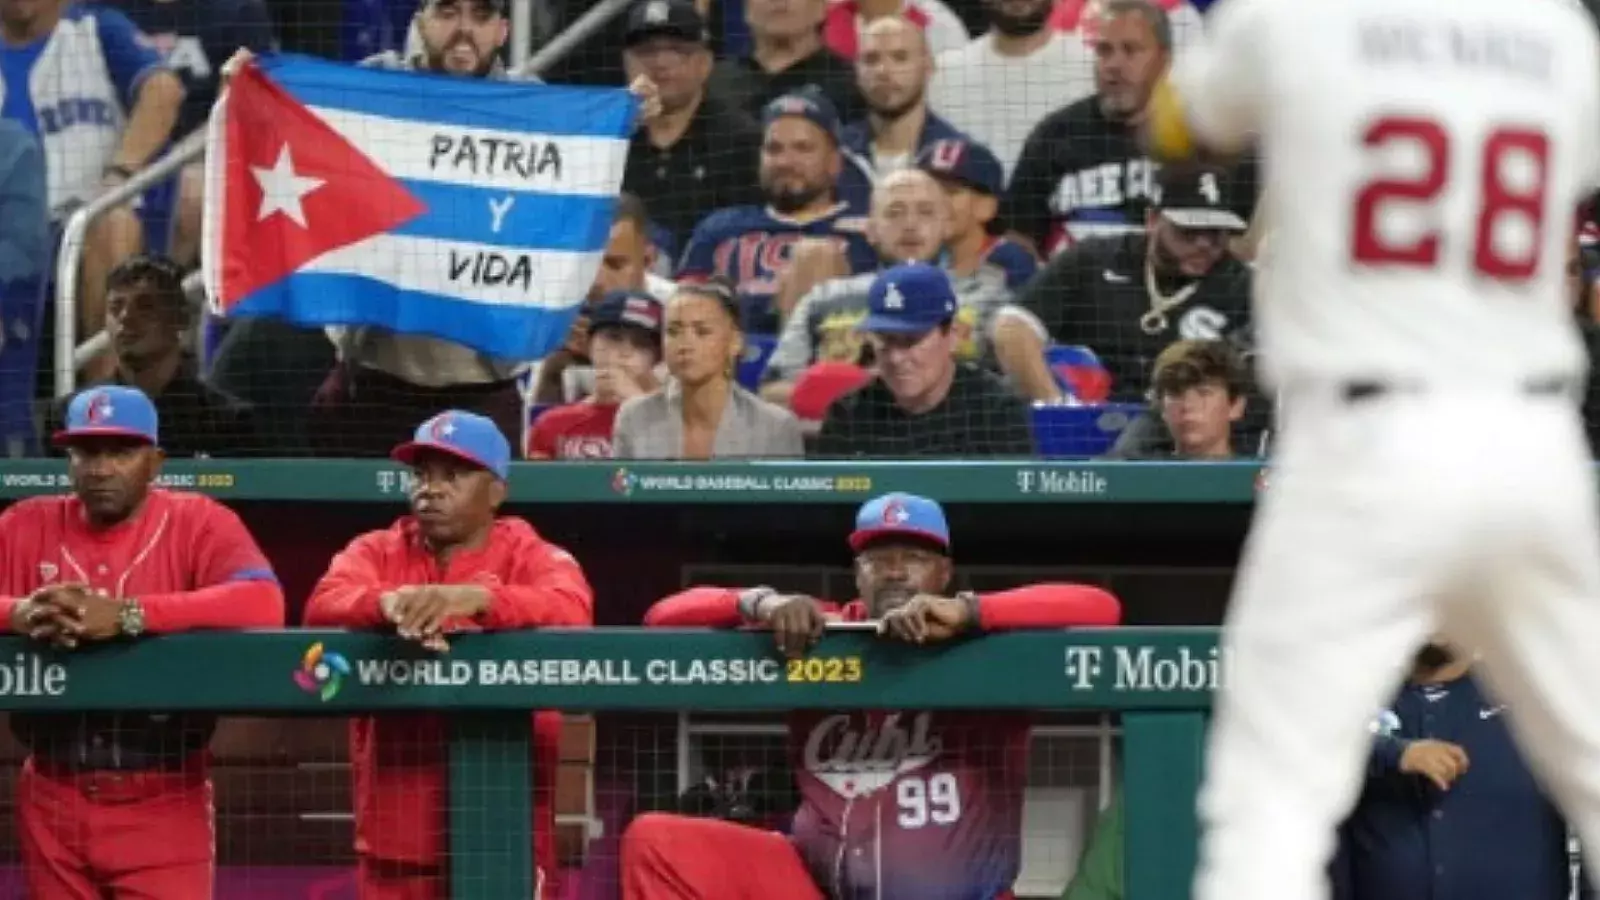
[(471, 210)]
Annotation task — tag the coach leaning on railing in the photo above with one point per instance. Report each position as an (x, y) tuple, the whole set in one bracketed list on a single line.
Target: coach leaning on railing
[(118, 558)]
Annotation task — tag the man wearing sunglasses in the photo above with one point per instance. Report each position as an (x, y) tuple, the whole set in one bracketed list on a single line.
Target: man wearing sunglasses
[(1130, 296)]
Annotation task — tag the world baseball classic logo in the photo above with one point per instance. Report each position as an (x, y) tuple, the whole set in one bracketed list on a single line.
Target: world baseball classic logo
[(321, 672)]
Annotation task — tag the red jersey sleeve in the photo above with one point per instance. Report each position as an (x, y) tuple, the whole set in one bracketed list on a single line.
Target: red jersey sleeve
[(17, 537), (707, 607), (1048, 606), (697, 607), (545, 587), (347, 594), (235, 586)]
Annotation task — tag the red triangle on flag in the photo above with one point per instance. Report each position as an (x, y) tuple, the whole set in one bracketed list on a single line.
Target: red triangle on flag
[(294, 188)]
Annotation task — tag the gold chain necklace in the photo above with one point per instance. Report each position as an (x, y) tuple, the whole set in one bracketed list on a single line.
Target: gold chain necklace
[(1155, 321)]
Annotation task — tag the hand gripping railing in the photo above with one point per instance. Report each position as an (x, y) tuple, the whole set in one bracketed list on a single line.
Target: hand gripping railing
[(69, 355)]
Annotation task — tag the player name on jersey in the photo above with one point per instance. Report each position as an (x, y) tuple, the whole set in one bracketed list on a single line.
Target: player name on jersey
[(1144, 669), (567, 672), (1467, 46)]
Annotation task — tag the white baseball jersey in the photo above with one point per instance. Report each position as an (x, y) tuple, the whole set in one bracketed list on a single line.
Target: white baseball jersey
[(1424, 161)]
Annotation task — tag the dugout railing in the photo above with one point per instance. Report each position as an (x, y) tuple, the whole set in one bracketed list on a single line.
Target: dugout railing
[(1157, 682)]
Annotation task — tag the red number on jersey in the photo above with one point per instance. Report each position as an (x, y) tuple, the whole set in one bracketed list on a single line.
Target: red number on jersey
[(1498, 197)]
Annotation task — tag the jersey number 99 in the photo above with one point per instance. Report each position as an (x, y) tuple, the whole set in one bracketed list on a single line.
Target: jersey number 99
[(1503, 195), (921, 801)]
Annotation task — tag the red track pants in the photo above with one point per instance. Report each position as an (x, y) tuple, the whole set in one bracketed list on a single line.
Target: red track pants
[(140, 835), (667, 857)]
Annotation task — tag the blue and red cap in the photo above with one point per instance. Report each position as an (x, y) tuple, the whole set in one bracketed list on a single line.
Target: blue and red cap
[(967, 162), (463, 435), (903, 516), (636, 308), (110, 411)]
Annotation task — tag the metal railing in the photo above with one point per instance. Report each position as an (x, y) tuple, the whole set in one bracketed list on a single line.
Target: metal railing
[(69, 355), (70, 259)]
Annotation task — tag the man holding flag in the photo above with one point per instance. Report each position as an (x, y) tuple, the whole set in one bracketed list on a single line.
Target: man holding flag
[(454, 229)]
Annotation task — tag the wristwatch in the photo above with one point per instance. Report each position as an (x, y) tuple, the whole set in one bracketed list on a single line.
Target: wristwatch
[(750, 601), (973, 604), (130, 618)]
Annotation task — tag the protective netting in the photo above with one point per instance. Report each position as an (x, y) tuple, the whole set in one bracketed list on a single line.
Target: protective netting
[(1019, 112)]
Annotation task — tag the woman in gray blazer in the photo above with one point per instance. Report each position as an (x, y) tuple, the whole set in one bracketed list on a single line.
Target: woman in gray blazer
[(703, 413)]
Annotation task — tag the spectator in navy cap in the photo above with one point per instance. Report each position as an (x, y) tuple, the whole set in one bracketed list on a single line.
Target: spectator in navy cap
[(755, 246), (974, 180), (922, 402), (624, 343), (809, 104)]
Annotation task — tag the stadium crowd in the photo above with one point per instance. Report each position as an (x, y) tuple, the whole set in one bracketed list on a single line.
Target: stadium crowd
[(779, 208), (848, 228)]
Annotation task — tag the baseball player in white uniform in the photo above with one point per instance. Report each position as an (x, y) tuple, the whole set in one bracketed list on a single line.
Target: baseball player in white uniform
[(1424, 161)]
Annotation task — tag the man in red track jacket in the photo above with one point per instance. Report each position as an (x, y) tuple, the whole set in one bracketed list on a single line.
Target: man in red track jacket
[(450, 566), (895, 805), (122, 802)]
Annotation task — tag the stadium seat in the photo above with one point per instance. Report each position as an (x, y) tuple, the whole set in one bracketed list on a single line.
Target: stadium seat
[(1080, 432)]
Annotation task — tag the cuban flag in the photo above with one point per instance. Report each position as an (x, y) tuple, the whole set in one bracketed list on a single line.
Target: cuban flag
[(465, 209)]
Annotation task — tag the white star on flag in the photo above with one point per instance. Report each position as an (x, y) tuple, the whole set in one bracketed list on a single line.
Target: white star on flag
[(282, 190)]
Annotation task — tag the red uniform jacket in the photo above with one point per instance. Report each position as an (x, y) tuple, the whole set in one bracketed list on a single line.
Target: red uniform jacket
[(911, 804), (190, 563), (399, 761), (187, 558)]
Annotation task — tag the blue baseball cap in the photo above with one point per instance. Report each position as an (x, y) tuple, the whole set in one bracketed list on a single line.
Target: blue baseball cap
[(968, 162), (807, 103), (466, 436), (110, 411), (900, 515), (914, 298)]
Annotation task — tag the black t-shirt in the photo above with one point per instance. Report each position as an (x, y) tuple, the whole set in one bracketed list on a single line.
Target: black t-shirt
[(979, 417), (1078, 171), (1096, 294), (713, 165), (196, 37), (1081, 174), (751, 87)]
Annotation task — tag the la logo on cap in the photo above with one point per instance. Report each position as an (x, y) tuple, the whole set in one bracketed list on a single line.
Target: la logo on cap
[(656, 12), (893, 299)]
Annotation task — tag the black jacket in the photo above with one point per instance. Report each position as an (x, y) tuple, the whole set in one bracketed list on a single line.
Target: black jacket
[(1492, 836)]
